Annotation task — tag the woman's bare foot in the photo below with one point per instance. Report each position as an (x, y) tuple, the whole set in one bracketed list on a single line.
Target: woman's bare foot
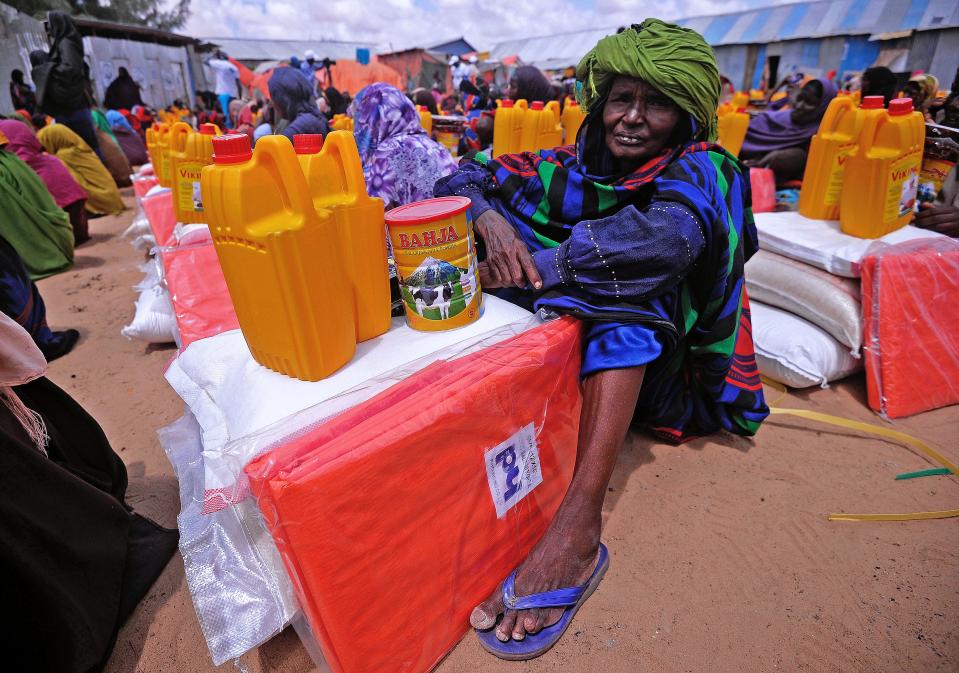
[(564, 557), (566, 554)]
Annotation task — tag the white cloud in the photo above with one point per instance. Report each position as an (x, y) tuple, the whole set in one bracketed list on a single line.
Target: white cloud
[(397, 24)]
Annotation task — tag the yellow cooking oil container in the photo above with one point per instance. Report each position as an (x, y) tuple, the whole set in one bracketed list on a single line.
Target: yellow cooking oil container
[(541, 127), (572, 118), (435, 255), (732, 128), (280, 258), (162, 167), (334, 174), (426, 118), (882, 176), (829, 152), (152, 134), (189, 153), (342, 122), (508, 126)]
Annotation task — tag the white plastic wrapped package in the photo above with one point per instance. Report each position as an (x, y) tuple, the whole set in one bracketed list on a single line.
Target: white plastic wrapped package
[(795, 352), (191, 234), (241, 593), (153, 319), (232, 395), (826, 300), (821, 243), (138, 226)]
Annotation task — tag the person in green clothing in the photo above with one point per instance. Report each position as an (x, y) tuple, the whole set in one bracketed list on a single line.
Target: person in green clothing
[(30, 220)]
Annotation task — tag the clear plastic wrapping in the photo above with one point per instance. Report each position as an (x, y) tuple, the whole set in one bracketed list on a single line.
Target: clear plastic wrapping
[(201, 300), (233, 397), (241, 593), (910, 295), (397, 515), (159, 211)]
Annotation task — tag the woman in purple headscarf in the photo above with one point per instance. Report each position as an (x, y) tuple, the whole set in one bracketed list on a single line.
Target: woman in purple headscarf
[(400, 161), (780, 140)]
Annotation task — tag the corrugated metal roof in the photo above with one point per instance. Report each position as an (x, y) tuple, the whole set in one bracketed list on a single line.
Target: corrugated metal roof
[(245, 49), (822, 18)]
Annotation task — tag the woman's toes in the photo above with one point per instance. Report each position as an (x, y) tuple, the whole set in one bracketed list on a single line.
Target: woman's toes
[(530, 619), (484, 615), (540, 622), (519, 630), (505, 629)]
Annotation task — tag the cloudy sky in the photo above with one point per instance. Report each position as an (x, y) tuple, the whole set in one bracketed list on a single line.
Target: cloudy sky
[(397, 24)]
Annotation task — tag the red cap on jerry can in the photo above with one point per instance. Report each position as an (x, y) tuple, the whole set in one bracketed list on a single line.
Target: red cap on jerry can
[(233, 148), (307, 143)]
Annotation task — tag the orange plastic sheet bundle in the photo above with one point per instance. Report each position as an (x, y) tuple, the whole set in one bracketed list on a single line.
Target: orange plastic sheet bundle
[(143, 184), (161, 216), (910, 301), (399, 516), (201, 300)]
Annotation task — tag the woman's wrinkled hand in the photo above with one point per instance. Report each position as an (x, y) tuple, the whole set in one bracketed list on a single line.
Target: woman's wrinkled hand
[(508, 261)]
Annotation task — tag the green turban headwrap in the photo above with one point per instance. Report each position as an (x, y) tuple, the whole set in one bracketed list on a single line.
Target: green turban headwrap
[(675, 60)]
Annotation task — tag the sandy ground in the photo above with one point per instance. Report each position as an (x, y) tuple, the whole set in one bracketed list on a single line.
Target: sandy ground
[(722, 557)]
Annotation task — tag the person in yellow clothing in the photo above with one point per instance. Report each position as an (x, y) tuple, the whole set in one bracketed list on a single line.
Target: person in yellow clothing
[(103, 198)]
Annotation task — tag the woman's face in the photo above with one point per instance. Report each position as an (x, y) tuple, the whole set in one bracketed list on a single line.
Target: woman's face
[(639, 121), (512, 91), (911, 90), (807, 103)]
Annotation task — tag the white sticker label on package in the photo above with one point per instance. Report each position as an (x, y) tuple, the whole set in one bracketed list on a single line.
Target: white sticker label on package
[(513, 469)]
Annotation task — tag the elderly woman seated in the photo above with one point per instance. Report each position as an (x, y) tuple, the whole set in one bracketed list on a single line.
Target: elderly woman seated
[(641, 231)]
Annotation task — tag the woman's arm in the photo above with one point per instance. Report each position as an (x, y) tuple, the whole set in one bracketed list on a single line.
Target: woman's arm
[(630, 256), (470, 180)]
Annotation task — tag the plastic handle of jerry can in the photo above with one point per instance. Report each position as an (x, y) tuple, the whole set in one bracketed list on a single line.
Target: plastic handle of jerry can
[(277, 154), (178, 135), (344, 157)]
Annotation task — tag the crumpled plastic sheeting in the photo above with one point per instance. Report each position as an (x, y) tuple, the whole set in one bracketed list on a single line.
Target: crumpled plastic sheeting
[(910, 300), (241, 592), (401, 514)]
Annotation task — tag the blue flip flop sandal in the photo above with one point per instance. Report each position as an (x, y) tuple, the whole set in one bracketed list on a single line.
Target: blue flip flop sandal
[(535, 644)]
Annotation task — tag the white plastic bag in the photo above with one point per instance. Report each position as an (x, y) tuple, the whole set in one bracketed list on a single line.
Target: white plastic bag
[(240, 590), (796, 352), (154, 321), (825, 300)]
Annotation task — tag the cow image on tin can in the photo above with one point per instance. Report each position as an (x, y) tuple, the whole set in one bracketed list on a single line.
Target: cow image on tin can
[(435, 256)]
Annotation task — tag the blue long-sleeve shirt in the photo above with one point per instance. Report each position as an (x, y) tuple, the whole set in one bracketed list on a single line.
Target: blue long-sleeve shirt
[(630, 256)]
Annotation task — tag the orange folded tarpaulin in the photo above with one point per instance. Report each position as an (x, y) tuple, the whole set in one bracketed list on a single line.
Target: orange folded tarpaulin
[(910, 301), (143, 184), (161, 216), (397, 517), (201, 300)]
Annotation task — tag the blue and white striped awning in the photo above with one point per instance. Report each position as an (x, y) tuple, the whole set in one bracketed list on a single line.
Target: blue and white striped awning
[(880, 19)]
